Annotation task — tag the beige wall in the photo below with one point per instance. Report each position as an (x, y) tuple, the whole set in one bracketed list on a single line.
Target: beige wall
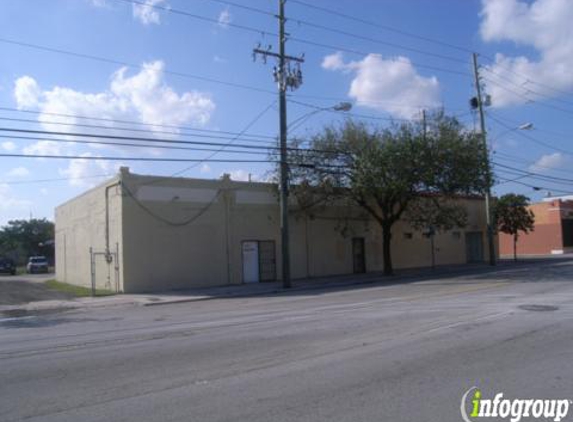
[(81, 225), (166, 255)]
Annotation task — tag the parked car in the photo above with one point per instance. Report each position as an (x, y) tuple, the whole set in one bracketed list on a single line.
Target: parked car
[(37, 264), (7, 266)]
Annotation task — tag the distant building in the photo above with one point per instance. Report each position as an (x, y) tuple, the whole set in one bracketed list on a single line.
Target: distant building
[(138, 233), (553, 232)]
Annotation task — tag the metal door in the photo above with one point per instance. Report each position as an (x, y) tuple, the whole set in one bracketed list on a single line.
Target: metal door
[(267, 261), (250, 252), (474, 246), (358, 255)]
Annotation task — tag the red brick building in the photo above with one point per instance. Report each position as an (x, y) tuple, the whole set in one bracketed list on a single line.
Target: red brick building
[(553, 232)]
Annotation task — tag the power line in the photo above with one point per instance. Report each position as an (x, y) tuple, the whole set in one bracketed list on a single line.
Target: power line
[(247, 127), (529, 100), (115, 158), (99, 127), (131, 65), (198, 17), (133, 138), (532, 139), (520, 160), (521, 87), (380, 26), (378, 41), (422, 38), (131, 122), (127, 144), (527, 79), (363, 53), (60, 179), (534, 175), (259, 31)]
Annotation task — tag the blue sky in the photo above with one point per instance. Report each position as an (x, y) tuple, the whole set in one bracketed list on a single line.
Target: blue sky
[(162, 67)]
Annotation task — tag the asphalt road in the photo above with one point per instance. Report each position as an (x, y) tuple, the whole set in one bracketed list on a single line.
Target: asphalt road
[(405, 352)]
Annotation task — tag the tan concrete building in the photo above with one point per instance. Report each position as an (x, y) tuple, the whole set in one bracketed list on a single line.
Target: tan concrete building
[(138, 233)]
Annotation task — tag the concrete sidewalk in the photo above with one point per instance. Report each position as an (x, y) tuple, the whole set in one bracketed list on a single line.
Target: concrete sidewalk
[(326, 284)]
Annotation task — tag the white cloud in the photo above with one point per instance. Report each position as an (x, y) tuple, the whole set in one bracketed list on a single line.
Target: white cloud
[(18, 172), (44, 148), (334, 62), (205, 168), (391, 85), (146, 13), (26, 92), (8, 146), (544, 25), (224, 18), (241, 175), (219, 59), (547, 162), (99, 3), (144, 97), (81, 170), (8, 202)]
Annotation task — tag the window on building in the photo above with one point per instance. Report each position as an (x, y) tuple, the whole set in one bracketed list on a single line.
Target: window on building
[(408, 235)]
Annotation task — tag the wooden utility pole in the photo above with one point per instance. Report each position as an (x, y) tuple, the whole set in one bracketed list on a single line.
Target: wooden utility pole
[(285, 77), (479, 98)]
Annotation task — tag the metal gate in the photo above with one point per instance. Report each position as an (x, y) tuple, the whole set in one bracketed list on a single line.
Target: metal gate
[(104, 267), (259, 261), (267, 260)]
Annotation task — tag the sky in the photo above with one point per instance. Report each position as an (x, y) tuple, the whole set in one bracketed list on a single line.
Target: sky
[(182, 71)]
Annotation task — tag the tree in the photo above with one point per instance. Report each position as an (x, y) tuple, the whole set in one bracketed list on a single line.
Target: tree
[(22, 238), (512, 216), (391, 173)]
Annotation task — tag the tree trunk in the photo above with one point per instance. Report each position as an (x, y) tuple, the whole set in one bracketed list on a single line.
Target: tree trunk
[(515, 248), (386, 253)]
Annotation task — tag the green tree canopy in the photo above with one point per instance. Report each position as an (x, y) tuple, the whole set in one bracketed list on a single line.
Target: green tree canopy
[(22, 238), (391, 173), (512, 216)]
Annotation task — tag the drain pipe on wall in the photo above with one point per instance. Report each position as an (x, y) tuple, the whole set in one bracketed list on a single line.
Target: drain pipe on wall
[(108, 257)]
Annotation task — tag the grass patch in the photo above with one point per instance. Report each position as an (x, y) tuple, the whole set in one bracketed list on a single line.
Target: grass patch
[(77, 291)]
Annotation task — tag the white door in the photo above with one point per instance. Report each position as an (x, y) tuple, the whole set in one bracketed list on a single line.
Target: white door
[(250, 262)]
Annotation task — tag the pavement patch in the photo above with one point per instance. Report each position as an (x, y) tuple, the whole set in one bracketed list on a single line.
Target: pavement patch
[(538, 308)]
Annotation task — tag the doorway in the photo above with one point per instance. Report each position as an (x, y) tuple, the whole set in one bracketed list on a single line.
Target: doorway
[(259, 261), (474, 247), (358, 255)]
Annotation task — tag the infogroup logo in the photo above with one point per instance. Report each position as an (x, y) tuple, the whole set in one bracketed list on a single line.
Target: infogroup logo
[(512, 409)]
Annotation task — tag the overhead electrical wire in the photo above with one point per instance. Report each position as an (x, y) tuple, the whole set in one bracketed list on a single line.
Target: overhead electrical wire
[(59, 179), (531, 138), (131, 122), (422, 38), (528, 100), (132, 65), (222, 148), (127, 144), (260, 31), (105, 128), (119, 158), (380, 26)]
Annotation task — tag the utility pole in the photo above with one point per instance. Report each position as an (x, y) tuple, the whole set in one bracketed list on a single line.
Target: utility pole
[(285, 77), (480, 104)]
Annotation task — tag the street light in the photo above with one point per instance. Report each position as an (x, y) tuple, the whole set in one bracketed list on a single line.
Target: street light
[(342, 106), (523, 126)]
